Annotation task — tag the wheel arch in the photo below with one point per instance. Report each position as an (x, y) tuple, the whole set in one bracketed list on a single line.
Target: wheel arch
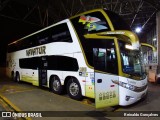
[(66, 81), (50, 78), (17, 72)]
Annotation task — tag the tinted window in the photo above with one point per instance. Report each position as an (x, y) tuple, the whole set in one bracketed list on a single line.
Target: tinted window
[(58, 33), (102, 55), (105, 59), (29, 63), (62, 63)]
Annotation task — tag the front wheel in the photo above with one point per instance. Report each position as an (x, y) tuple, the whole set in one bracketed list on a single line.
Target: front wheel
[(74, 89)]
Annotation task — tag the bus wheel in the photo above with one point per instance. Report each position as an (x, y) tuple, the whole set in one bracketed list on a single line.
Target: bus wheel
[(17, 78), (55, 85), (74, 89)]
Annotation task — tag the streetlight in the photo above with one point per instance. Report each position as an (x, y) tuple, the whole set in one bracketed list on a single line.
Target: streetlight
[(138, 29)]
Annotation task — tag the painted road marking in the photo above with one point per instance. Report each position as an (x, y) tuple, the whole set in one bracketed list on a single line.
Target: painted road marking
[(8, 89), (17, 88), (7, 103)]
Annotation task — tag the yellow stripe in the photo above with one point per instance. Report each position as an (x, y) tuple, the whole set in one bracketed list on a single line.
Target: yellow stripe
[(148, 45), (91, 67), (108, 20), (20, 91), (119, 109), (118, 57), (4, 105), (12, 105)]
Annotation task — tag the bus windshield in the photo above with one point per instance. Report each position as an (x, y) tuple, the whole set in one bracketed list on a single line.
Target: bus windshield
[(131, 61)]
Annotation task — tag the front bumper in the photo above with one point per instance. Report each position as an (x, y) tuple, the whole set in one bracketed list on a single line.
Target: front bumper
[(128, 97)]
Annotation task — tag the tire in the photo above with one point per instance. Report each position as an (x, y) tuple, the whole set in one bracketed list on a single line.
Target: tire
[(55, 85), (74, 89), (17, 78)]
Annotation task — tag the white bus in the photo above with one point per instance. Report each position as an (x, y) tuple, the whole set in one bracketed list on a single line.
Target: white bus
[(93, 54)]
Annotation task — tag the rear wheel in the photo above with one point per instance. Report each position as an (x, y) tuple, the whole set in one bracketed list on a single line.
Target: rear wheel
[(17, 77), (55, 85), (74, 89)]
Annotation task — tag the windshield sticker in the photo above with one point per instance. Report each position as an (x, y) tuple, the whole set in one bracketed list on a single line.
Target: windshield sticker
[(88, 19), (92, 23)]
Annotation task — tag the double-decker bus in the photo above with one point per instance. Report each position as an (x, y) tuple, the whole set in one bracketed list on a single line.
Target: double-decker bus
[(93, 54)]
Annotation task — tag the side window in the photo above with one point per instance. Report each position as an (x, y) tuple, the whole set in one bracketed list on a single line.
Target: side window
[(67, 63), (25, 43), (52, 63), (29, 63), (61, 37), (58, 33), (104, 57), (62, 63), (112, 61)]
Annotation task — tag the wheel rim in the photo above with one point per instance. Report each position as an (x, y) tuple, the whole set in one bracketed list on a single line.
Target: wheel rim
[(56, 85), (74, 88), (17, 78)]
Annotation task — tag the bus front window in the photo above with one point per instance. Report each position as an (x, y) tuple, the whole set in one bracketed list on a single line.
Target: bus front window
[(105, 60), (131, 61), (101, 54)]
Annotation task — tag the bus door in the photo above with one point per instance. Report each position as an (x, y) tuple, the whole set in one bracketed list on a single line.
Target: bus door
[(106, 91), (43, 71)]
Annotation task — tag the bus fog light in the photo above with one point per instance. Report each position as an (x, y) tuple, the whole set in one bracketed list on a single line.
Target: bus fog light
[(127, 98), (127, 86), (131, 87)]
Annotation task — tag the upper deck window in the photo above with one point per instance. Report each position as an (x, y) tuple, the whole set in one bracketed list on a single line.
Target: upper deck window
[(58, 33)]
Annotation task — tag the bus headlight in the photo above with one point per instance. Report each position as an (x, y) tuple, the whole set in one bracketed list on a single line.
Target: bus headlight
[(129, 86), (132, 87), (125, 85)]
